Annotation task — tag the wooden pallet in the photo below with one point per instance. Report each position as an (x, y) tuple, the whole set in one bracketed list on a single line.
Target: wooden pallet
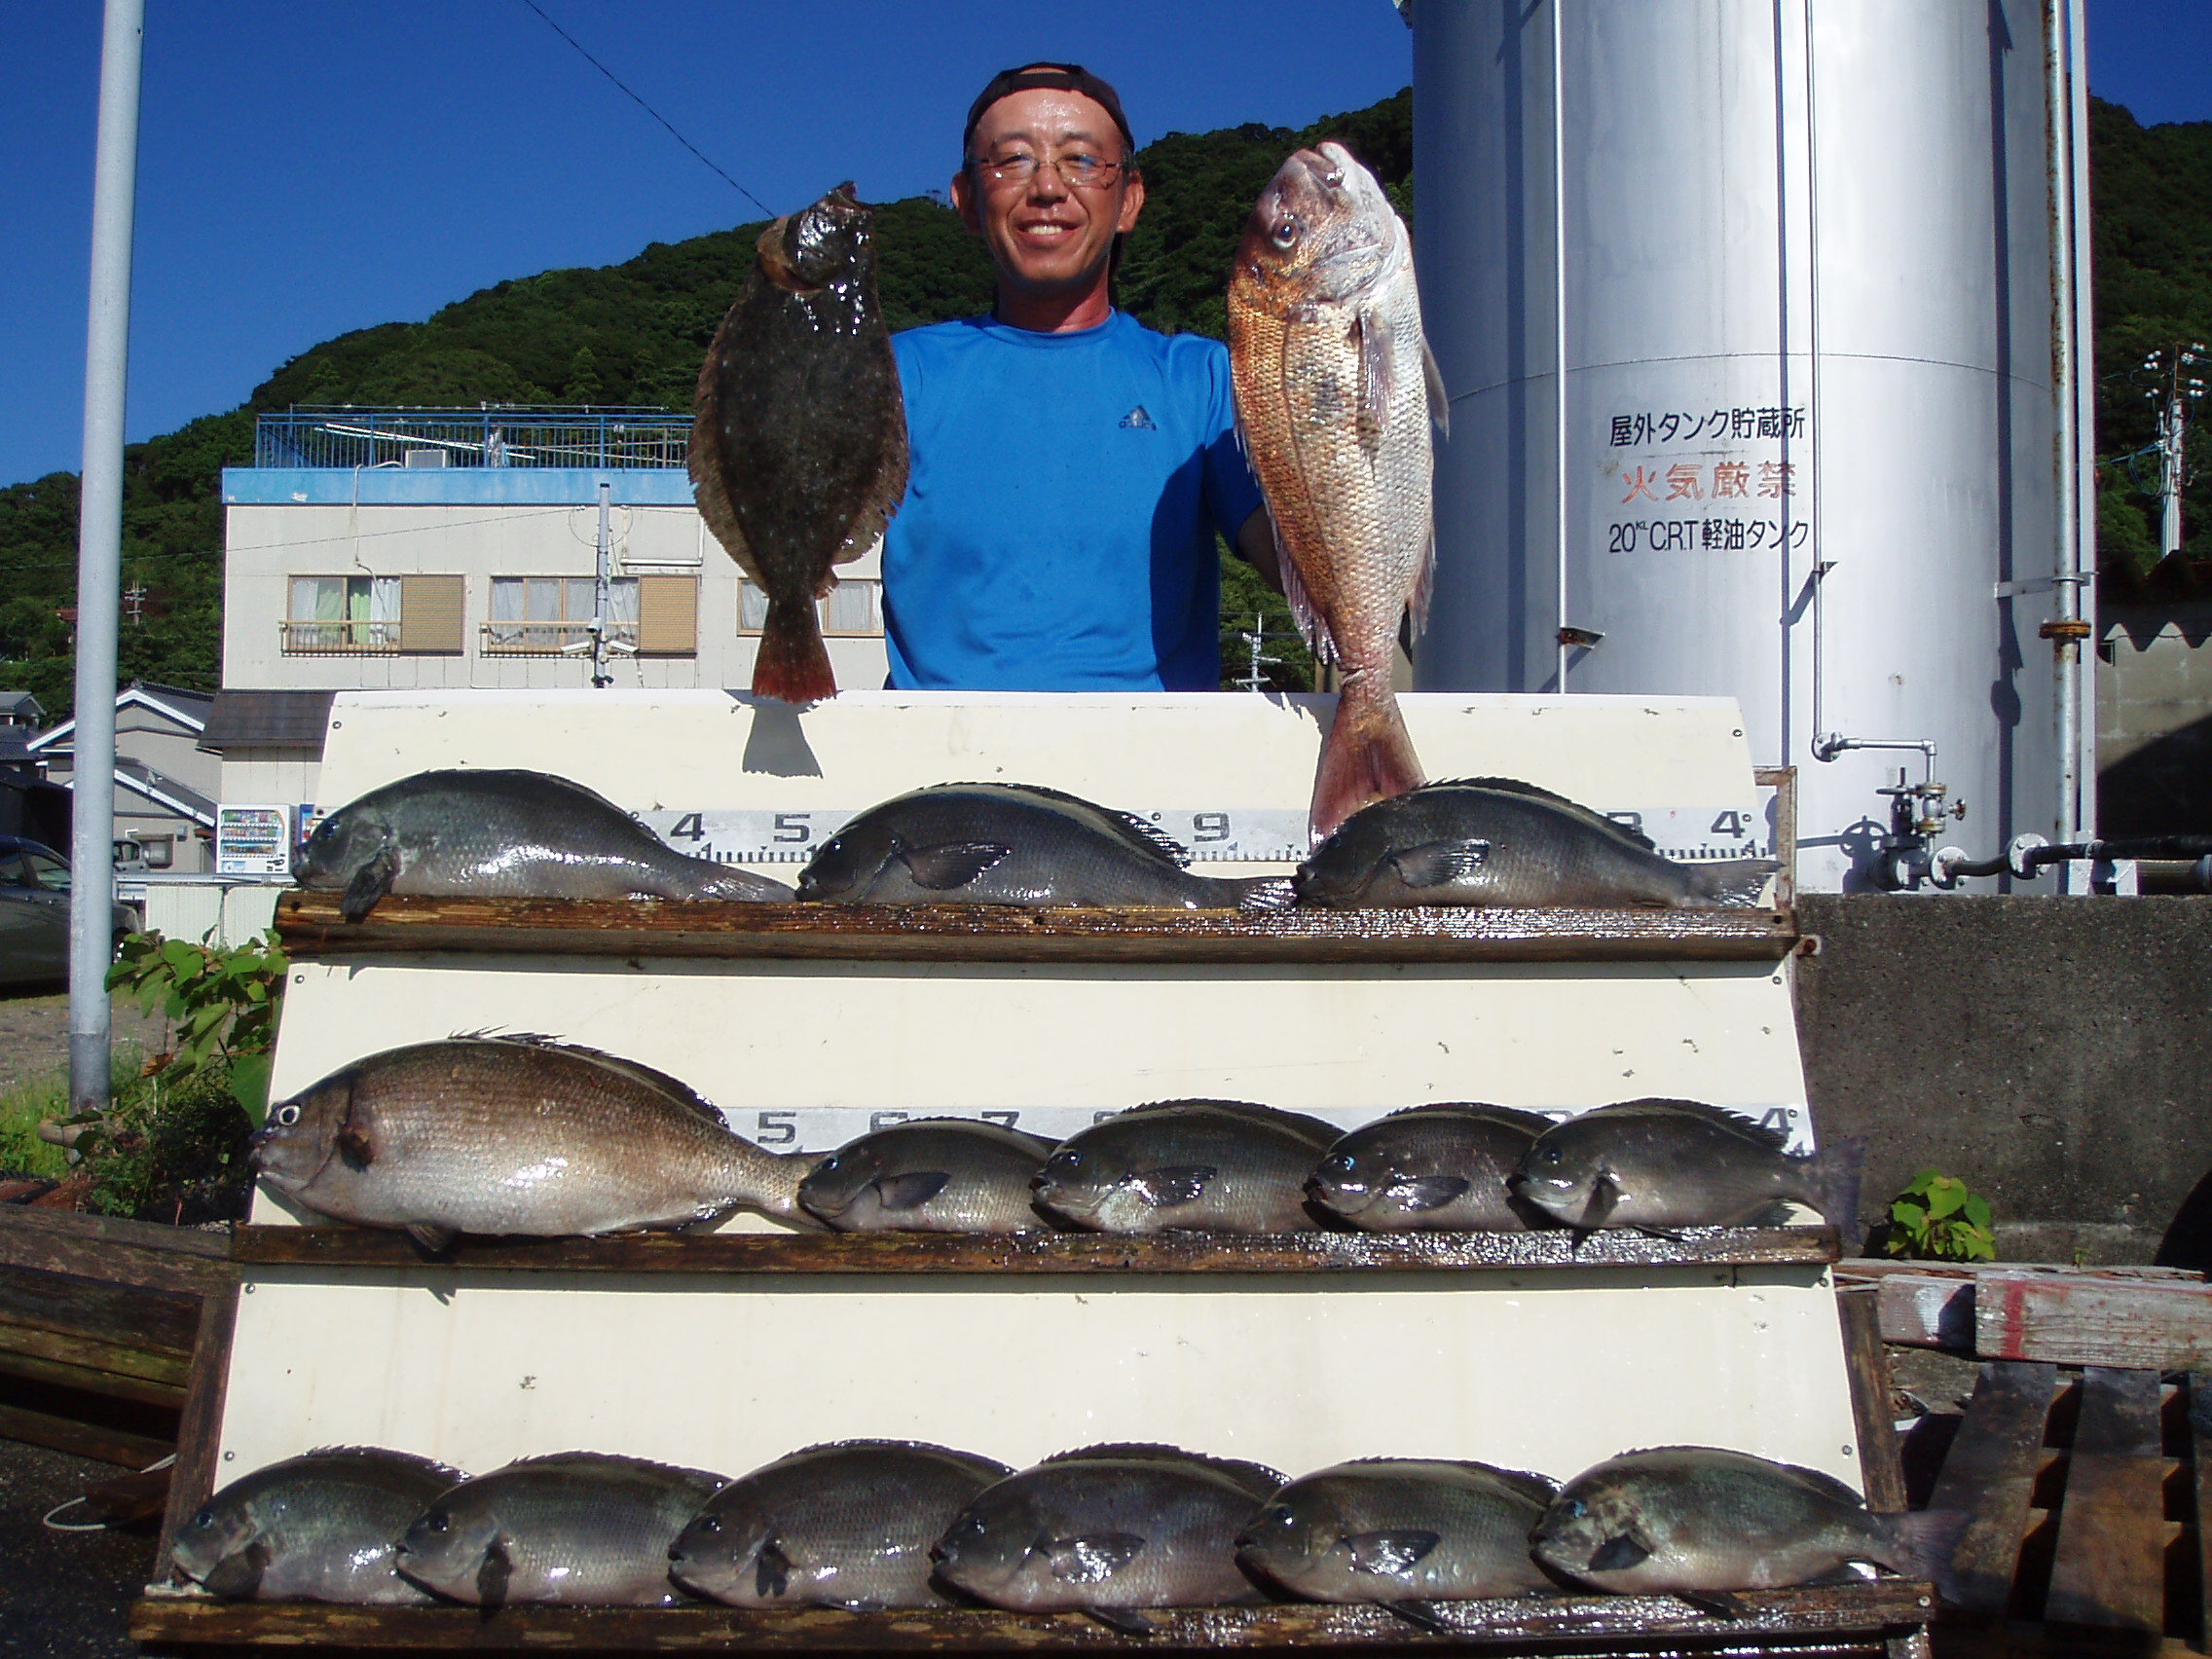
[(100, 1321), (2090, 1490)]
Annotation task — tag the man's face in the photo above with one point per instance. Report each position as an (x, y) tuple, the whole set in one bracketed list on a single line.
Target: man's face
[(1047, 237)]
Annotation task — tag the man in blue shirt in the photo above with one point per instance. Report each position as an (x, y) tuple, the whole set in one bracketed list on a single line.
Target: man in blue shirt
[(1070, 466)]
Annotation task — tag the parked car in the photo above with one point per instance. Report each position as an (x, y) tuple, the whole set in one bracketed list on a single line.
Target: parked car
[(34, 914)]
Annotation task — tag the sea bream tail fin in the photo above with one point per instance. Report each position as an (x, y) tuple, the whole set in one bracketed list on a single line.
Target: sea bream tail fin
[(1367, 756), (1736, 884), (1922, 1544), (794, 664), (1830, 1183)]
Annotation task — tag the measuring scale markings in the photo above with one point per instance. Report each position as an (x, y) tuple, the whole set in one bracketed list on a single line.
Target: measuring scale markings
[(1688, 834), (816, 1130)]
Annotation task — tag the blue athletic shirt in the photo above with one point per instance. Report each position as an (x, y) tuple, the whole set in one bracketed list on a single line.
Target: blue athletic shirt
[(1064, 491)]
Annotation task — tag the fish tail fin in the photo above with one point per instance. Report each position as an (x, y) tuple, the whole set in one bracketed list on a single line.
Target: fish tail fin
[(1736, 884), (1264, 893), (794, 664), (1831, 1177), (1922, 1546), (1368, 755)]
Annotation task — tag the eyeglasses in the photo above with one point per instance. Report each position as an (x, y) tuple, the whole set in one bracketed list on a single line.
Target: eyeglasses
[(1078, 171)]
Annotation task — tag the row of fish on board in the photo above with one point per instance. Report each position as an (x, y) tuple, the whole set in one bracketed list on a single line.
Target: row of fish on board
[(509, 833), (1109, 1530), (799, 454), (524, 1136)]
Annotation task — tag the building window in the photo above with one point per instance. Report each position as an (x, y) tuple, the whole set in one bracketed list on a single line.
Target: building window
[(852, 608), (546, 615), (551, 615), (373, 615)]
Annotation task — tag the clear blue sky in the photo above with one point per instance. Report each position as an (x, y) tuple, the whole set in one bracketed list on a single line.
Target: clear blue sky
[(305, 169)]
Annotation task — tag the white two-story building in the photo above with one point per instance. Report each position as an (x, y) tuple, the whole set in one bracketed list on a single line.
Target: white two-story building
[(406, 550)]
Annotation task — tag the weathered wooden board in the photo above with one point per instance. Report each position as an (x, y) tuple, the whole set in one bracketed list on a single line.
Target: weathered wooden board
[(199, 1423), (2109, 1569), (1881, 1471), (1991, 1472), (100, 1441), (1932, 1305), (1049, 1252), (2101, 1322), (125, 1314), (313, 926), (115, 1252), (1870, 1606), (2200, 1496)]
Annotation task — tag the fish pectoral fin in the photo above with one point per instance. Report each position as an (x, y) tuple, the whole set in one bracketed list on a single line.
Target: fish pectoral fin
[(1429, 1192), (237, 1576), (1718, 1602), (492, 1574), (1439, 400), (1371, 338), (1440, 864), (771, 1570), (954, 864), (1391, 1553), (1421, 1615), (911, 1190), (1617, 1554), (1605, 1195), (435, 1240), (355, 1146), (1091, 1559), (371, 882), (1164, 1189), (1127, 1620)]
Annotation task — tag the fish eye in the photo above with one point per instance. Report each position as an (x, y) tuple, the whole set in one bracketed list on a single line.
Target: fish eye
[(1575, 1507), (1550, 1155), (1286, 232), (287, 1115), (709, 1523), (436, 1521), (1066, 1161), (206, 1518)]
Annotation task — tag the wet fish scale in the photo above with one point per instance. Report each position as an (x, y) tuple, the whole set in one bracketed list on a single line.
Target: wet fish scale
[(503, 1137)]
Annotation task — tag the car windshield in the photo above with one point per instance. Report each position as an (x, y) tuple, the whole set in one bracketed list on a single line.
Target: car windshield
[(50, 874)]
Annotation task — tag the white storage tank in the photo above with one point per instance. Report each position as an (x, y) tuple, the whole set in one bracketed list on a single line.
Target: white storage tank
[(1804, 267)]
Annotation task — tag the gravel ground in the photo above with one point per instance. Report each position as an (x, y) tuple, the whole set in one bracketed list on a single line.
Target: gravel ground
[(34, 1033), (62, 1595)]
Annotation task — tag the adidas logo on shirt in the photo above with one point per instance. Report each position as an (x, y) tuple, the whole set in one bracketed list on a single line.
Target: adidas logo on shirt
[(1139, 420)]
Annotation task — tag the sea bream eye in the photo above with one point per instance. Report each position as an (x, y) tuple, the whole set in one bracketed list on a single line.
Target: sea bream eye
[(1286, 232), (287, 1115)]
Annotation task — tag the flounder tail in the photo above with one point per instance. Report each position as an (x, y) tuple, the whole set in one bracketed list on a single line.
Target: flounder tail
[(1368, 755), (794, 664)]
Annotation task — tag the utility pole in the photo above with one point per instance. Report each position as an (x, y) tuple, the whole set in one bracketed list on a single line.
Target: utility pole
[(2181, 389), (99, 558), (601, 590)]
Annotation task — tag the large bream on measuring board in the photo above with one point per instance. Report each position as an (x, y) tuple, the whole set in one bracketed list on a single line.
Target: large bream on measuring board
[(1547, 1367)]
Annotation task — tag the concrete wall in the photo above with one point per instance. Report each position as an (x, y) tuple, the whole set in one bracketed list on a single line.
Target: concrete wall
[(2056, 1053), (2154, 718)]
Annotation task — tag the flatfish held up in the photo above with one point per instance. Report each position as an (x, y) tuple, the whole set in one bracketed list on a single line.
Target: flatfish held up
[(798, 452)]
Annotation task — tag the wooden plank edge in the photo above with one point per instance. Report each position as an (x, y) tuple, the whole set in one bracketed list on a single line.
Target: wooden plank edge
[(199, 1421), (1881, 1458), (88, 1380), (102, 1444), (2165, 1327), (1047, 1253), (1874, 1606)]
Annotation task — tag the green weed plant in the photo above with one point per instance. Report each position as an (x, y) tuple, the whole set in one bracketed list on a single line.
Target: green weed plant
[(1939, 1218)]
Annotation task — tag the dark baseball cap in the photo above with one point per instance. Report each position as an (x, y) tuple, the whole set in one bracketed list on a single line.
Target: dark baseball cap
[(1060, 77)]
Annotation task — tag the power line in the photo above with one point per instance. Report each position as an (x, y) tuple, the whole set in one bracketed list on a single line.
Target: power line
[(648, 109)]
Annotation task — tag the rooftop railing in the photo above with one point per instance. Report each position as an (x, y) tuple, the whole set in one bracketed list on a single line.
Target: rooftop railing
[(350, 437)]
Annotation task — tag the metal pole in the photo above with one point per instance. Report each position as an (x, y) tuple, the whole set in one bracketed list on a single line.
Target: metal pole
[(600, 678), (100, 556), (2058, 114), (1559, 342), (2169, 472), (2085, 457)]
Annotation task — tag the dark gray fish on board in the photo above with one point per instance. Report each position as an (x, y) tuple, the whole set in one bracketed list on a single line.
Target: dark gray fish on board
[(1698, 1521), (1666, 1164), (798, 452), (514, 1135), (930, 1175), (1403, 1531), (575, 1530), (1014, 844), (1182, 1166), (845, 1526), (1436, 1168), (1499, 841), (319, 1527), (1109, 1530), (465, 833)]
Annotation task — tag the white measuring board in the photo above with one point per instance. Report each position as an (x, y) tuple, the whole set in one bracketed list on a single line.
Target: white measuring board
[(1519, 1366)]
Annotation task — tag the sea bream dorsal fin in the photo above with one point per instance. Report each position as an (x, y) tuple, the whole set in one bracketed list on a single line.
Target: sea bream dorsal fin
[(1514, 1117), (1256, 1478), (1513, 786), (1146, 838), (1319, 1130), (1718, 1117)]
